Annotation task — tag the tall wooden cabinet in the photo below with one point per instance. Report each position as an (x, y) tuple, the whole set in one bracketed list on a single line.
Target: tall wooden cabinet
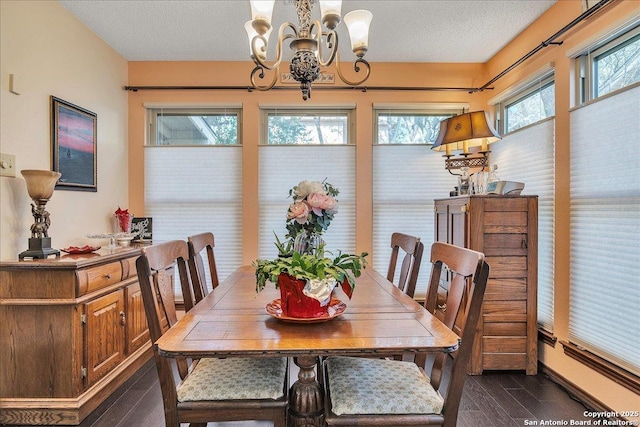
[(505, 229), (72, 330)]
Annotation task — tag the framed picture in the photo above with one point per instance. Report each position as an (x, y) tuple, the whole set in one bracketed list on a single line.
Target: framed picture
[(74, 143), (143, 228)]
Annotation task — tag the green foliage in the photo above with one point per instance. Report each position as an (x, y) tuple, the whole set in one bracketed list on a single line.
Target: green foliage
[(286, 130), (402, 128), (308, 266), (284, 249), (224, 128)]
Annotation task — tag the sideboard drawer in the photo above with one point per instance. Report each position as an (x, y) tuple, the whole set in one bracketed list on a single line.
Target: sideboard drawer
[(129, 268), (100, 276)]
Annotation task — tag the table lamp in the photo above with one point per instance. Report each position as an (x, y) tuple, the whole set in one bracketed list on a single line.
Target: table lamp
[(462, 132), (40, 185)]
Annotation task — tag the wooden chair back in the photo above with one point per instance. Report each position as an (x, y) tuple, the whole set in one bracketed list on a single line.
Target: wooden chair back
[(469, 274), (199, 244), (412, 249), (156, 269), (466, 293)]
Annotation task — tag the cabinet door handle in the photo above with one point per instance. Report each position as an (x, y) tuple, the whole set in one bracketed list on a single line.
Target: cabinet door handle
[(123, 318), (107, 276)]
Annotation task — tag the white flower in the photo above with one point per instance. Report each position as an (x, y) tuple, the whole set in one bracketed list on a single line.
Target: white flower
[(305, 188)]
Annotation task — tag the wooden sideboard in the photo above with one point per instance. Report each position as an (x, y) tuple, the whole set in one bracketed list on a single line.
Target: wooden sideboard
[(72, 330), (505, 228)]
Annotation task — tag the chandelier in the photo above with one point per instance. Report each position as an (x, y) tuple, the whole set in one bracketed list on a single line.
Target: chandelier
[(308, 42)]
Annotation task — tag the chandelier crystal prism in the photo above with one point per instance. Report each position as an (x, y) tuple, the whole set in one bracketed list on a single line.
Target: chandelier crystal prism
[(309, 43)]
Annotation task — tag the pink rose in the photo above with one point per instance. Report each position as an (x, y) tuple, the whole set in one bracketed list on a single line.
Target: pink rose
[(298, 211), (319, 202)]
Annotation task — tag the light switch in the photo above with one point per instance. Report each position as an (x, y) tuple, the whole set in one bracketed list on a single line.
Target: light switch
[(13, 85), (7, 165)]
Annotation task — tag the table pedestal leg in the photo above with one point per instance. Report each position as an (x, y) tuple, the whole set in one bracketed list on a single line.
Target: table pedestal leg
[(306, 399)]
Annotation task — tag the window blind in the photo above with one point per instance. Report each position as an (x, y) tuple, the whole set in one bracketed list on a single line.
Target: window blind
[(605, 228), (284, 166), (406, 180), (191, 190), (528, 156)]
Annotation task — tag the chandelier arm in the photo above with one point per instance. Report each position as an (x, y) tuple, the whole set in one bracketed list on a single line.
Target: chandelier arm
[(330, 41), (261, 76), (258, 52), (357, 69), (281, 38)]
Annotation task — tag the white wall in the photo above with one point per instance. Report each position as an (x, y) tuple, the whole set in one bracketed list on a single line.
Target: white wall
[(50, 52)]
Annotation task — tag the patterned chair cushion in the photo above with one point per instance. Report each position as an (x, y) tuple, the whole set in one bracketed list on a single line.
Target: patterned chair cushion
[(234, 378), (379, 386)]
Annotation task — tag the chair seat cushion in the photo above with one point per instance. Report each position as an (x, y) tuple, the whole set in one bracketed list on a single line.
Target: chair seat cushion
[(360, 386), (234, 378)]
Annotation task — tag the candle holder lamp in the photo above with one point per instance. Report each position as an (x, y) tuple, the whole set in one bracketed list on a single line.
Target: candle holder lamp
[(40, 185), (462, 132)]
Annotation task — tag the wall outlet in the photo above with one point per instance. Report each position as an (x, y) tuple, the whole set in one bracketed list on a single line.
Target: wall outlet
[(7, 165)]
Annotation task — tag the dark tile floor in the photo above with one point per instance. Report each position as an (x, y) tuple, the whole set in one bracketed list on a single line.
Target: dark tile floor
[(494, 399)]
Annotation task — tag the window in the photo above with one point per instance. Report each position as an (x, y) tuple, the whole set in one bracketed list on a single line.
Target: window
[(306, 144), (407, 177), (531, 105), (187, 150), (609, 66), (307, 128), (605, 228), (605, 203), (407, 127), (194, 127), (528, 155)]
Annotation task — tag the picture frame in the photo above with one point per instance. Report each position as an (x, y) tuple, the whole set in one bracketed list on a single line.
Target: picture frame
[(74, 146), (143, 227)]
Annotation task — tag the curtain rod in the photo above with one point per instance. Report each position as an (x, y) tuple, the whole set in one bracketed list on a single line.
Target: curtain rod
[(550, 41), (315, 88)]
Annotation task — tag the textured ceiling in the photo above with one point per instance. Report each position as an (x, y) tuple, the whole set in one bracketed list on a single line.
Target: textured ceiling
[(401, 30)]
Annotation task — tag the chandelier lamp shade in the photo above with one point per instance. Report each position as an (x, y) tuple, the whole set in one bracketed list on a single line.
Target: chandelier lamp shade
[(313, 48), (462, 132)]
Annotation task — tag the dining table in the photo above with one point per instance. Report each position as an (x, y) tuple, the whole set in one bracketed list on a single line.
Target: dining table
[(236, 321)]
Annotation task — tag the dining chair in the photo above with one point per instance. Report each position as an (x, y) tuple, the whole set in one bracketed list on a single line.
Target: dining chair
[(199, 244), (412, 248), (382, 392), (209, 389)]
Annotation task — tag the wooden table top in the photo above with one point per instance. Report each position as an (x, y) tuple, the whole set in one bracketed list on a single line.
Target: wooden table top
[(232, 320)]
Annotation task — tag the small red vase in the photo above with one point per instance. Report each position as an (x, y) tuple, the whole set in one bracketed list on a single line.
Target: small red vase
[(294, 302)]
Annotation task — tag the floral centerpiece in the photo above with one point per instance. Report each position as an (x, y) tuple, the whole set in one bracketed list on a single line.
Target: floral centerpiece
[(309, 215), (307, 276), (313, 208)]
